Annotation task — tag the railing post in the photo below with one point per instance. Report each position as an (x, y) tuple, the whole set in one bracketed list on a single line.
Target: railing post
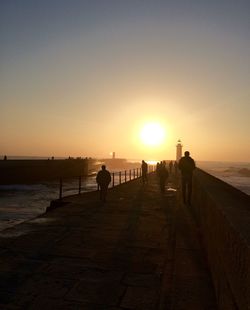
[(120, 177), (113, 177), (60, 188), (140, 172), (137, 172), (129, 174), (134, 173), (80, 185), (125, 176)]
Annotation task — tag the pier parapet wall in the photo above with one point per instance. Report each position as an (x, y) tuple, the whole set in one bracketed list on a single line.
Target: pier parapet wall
[(223, 216)]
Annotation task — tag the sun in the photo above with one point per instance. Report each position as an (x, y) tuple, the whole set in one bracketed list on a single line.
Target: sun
[(152, 134)]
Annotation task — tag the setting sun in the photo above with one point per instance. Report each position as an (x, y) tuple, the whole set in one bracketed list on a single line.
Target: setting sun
[(152, 134)]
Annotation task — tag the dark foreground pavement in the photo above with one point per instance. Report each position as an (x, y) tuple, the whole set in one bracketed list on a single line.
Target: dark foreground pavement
[(140, 250)]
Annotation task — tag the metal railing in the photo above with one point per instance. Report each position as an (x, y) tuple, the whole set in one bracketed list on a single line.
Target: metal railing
[(75, 185)]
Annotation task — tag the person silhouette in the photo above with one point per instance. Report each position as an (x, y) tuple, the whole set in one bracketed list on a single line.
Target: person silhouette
[(186, 166), (175, 168), (103, 179), (163, 175), (144, 172), (170, 167)]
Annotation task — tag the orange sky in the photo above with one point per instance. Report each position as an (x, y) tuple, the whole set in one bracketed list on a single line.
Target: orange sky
[(82, 79)]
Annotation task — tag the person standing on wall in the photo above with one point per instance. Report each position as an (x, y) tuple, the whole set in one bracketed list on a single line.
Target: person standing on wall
[(144, 172), (186, 166), (103, 179)]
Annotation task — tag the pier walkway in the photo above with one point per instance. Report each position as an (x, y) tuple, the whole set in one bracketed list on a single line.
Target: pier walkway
[(139, 250)]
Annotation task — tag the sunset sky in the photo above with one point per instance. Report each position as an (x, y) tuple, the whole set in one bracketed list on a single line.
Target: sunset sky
[(82, 78)]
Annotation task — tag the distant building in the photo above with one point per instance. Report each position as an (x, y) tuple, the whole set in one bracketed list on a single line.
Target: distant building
[(178, 150)]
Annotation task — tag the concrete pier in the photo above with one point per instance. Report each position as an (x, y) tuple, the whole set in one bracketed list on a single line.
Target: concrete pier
[(139, 250)]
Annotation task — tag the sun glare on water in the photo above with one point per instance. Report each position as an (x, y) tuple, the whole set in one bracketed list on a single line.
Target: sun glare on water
[(152, 134)]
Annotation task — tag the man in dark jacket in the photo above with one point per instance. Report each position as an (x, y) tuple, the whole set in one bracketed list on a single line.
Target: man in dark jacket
[(103, 179), (186, 166), (144, 172)]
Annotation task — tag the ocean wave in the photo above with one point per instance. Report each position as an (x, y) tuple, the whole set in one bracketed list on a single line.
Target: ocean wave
[(245, 172), (21, 187)]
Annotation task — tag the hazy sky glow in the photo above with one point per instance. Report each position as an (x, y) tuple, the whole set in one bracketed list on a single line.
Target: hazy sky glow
[(81, 78)]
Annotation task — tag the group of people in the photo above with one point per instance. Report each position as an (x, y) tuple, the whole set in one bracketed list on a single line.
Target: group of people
[(163, 174), (186, 166)]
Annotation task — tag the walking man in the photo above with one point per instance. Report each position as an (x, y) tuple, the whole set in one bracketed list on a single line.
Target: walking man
[(103, 179), (144, 172), (186, 166)]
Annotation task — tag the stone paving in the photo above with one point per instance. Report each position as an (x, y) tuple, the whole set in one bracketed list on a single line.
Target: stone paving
[(139, 250)]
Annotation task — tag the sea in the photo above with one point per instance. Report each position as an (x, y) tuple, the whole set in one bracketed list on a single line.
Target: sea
[(236, 174), (21, 202)]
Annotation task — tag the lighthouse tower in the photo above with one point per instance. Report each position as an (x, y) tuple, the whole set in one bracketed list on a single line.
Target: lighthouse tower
[(178, 150)]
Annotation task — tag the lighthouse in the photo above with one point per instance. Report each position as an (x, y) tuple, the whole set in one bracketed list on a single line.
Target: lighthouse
[(178, 150)]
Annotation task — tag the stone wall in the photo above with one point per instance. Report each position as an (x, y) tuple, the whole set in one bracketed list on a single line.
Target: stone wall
[(30, 171), (223, 216)]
